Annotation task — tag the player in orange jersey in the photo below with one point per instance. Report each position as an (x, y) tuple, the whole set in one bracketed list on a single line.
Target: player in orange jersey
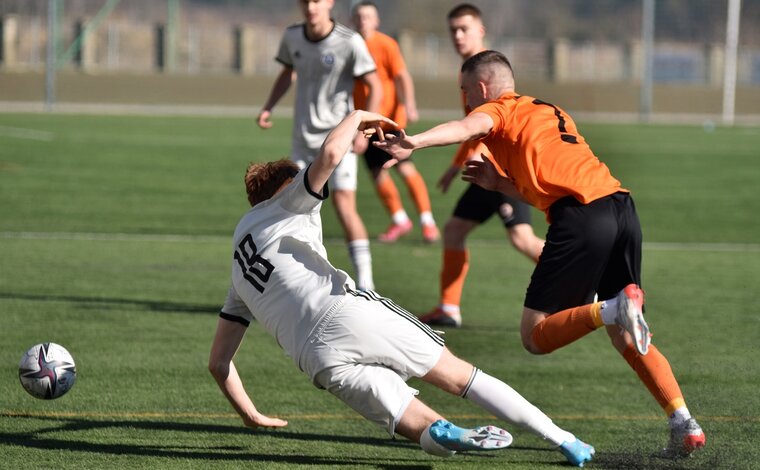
[(399, 104), (593, 245), (476, 205)]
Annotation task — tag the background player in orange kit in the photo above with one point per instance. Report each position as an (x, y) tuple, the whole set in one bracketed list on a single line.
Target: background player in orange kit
[(476, 205), (398, 103)]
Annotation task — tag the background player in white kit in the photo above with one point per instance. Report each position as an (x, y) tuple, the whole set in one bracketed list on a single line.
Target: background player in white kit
[(326, 57), (359, 346)]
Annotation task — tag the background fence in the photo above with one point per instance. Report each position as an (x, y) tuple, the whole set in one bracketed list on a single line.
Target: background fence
[(593, 42)]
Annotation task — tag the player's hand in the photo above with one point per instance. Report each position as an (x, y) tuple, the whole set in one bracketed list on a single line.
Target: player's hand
[(258, 420), (369, 122), (484, 174), (360, 144), (263, 119), (447, 177), (399, 147)]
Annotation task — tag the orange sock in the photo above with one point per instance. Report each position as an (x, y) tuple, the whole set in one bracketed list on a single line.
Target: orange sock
[(566, 326), (388, 193), (418, 191), (456, 263), (654, 370)]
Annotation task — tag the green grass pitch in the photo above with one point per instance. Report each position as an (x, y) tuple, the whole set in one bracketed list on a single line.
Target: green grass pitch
[(114, 241)]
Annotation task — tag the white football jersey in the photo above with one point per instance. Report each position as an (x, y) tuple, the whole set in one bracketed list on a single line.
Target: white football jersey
[(325, 71), (280, 272)]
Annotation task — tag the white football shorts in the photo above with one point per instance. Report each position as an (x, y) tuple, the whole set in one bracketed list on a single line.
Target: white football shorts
[(364, 352), (343, 178)]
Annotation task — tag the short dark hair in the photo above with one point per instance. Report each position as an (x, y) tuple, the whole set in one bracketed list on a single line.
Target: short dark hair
[(262, 180), (464, 9), (484, 58), (363, 3)]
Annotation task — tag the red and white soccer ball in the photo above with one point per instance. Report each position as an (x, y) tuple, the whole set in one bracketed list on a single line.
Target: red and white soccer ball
[(47, 371)]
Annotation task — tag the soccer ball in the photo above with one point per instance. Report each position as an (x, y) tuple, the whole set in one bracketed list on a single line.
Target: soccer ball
[(47, 371)]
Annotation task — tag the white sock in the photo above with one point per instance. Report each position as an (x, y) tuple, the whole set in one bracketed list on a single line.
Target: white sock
[(426, 218), (679, 416), (450, 309), (505, 403), (361, 258), (609, 310), (399, 217)]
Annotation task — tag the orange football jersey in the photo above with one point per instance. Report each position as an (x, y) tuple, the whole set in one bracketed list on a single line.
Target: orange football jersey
[(538, 145), (389, 61)]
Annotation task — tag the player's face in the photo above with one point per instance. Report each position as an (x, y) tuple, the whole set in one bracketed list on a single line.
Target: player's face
[(316, 12), (467, 33), (473, 91), (366, 20)]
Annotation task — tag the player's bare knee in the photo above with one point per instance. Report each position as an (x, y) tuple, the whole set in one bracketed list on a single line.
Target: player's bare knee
[(344, 198), (454, 233), (531, 348), (521, 240), (451, 374), (218, 370), (527, 342)]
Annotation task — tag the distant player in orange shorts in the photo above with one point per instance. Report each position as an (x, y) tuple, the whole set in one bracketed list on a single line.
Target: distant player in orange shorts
[(476, 205), (593, 244), (398, 103)]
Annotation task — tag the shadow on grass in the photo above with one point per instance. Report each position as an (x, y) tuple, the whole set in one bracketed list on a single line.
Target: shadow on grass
[(38, 440), (108, 303), (176, 450)]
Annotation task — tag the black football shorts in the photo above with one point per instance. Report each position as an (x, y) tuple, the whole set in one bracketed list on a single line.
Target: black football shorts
[(480, 204), (375, 157), (590, 249)]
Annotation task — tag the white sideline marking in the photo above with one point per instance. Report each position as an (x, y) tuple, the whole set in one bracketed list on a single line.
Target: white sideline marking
[(26, 134), (168, 238), (115, 237), (719, 247)]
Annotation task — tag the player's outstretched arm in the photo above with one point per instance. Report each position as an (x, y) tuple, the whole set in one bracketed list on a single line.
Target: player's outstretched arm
[(339, 140), (280, 87), (400, 147), (229, 335)]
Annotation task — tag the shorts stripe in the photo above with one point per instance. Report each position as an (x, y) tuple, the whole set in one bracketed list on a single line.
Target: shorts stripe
[(392, 306)]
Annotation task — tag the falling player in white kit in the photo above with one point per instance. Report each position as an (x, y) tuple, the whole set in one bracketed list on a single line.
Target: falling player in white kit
[(359, 346), (326, 57)]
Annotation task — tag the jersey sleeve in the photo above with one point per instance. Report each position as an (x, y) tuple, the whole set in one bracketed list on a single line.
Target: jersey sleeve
[(235, 309), (363, 62), (496, 113), (299, 198), (283, 53)]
